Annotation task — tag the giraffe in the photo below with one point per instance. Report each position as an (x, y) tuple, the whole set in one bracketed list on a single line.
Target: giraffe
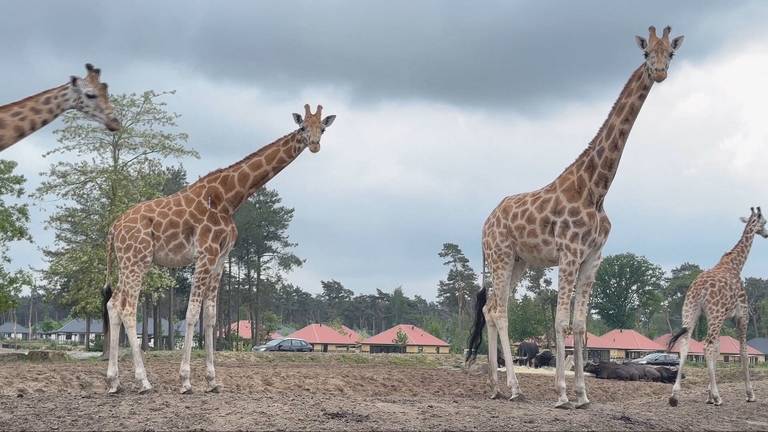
[(720, 294), (562, 224), (87, 95), (192, 226)]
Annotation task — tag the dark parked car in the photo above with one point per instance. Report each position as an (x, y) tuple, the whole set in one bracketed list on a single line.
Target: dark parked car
[(659, 359), (284, 344)]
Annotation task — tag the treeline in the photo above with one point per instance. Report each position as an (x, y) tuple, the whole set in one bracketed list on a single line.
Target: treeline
[(96, 175)]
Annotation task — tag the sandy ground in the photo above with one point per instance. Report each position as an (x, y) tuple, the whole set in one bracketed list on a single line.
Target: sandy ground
[(351, 392)]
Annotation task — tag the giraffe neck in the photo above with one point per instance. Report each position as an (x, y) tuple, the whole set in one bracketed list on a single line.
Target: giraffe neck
[(737, 256), (242, 179), (22, 118), (600, 161)]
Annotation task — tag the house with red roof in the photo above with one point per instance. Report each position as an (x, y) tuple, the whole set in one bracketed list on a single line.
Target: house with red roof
[(417, 341), (729, 349), (628, 344), (695, 348), (325, 338)]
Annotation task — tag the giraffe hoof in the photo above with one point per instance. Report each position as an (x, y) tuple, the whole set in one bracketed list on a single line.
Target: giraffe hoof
[(564, 405), (496, 395), (186, 390), (718, 402), (517, 398), (145, 390), (673, 401), (114, 391), (583, 405), (751, 399), (214, 389)]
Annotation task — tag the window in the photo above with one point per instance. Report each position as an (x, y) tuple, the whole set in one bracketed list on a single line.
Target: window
[(421, 349)]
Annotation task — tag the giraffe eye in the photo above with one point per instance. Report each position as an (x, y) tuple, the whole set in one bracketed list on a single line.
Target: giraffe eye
[(302, 128), (645, 54), (90, 96)]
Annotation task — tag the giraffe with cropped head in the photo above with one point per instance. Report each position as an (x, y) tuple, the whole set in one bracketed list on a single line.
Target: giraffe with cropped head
[(562, 224), (87, 95)]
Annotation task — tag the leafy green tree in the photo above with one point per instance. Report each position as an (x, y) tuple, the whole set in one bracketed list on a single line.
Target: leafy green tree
[(98, 175), (757, 294), (14, 219), (525, 319), (627, 290), (538, 282), (263, 249), (457, 292), (401, 340), (337, 299), (675, 289)]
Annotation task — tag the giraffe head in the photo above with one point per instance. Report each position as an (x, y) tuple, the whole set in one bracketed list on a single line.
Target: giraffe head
[(92, 98), (658, 52), (312, 126), (756, 223)]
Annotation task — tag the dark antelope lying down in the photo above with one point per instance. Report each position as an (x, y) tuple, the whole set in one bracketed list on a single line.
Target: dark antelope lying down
[(632, 372)]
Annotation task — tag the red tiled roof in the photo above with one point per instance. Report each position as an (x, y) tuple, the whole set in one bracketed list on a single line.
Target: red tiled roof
[(593, 341), (629, 339), (694, 346), (323, 334), (416, 336), (348, 331), (730, 346), (245, 328)]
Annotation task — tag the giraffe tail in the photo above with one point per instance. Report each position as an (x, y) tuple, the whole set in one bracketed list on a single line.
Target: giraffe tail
[(106, 292), (673, 340), (476, 336)]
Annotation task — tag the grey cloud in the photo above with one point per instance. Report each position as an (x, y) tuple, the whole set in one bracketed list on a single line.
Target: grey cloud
[(500, 53)]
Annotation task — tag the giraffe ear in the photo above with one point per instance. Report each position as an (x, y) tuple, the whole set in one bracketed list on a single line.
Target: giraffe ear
[(641, 42), (73, 81), (677, 43), (743, 219), (329, 120), (297, 118)]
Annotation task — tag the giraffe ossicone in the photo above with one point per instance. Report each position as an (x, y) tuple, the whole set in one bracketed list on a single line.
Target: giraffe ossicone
[(192, 226), (720, 294), (88, 95), (562, 224)]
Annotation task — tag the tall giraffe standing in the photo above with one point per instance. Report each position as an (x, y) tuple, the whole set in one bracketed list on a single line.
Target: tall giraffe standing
[(194, 225), (87, 95), (720, 294), (562, 224)]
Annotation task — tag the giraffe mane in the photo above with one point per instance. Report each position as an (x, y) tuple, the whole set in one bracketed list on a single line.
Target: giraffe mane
[(591, 145), (28, 98), (241, 161)]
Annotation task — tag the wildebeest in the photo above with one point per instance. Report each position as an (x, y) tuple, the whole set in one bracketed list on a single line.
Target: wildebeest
[(544, 358), (631, 372), (526, 352)]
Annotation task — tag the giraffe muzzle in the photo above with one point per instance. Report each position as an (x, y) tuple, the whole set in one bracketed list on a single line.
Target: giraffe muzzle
[(113, 124)]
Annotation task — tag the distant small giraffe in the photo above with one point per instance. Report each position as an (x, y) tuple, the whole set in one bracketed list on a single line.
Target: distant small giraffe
[(562, 224), (87, 95), (192, 226), (720, 294)]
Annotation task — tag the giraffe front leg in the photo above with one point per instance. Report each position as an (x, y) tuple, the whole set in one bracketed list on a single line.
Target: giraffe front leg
[(193, 313), (741, 326), (584, 281), (566, 282)]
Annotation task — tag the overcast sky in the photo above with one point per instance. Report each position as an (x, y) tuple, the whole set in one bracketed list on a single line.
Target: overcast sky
[(444, 108)]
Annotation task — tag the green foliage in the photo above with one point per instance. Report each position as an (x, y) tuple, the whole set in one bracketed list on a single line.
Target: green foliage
[(456, 293), (98, 175), (401, 340), (50, 325), (627, 290), (526, 319), (13, 227)]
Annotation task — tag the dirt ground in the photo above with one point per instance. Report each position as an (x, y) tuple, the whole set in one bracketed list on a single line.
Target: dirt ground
[(349, 392)]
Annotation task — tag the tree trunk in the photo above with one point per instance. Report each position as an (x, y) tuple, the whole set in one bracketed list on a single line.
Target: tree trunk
[(87, 334), (157, 327), (257, 303), (31, 302), (171, 329), (145, 324), (228, 319)]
